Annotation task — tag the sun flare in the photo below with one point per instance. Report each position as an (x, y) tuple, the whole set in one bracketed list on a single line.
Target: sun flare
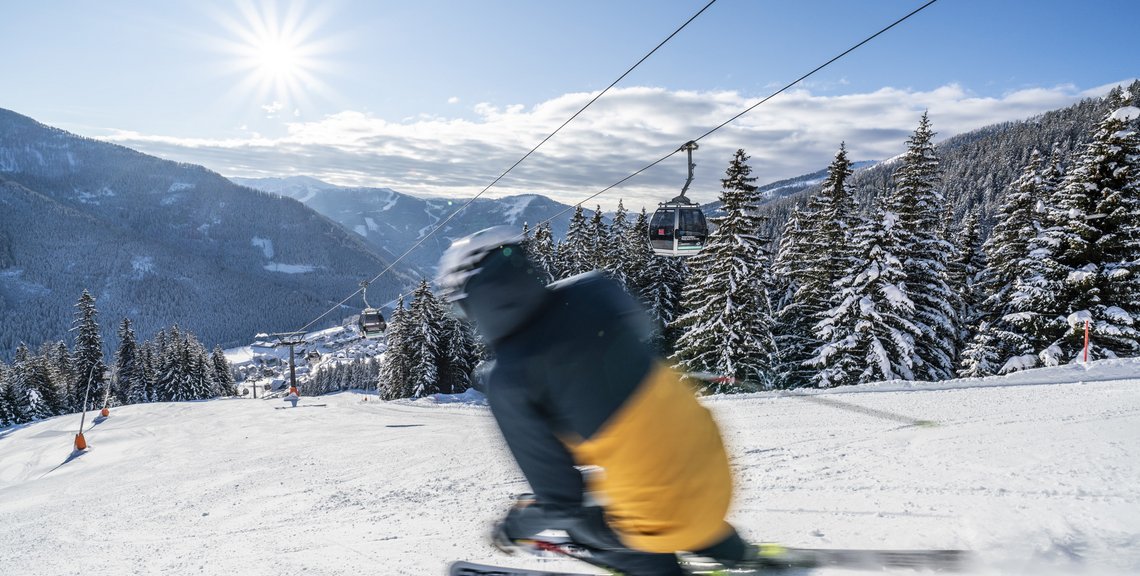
[(274, 52)]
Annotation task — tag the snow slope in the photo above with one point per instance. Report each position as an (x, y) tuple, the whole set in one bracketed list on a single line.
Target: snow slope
[(1038, 472)]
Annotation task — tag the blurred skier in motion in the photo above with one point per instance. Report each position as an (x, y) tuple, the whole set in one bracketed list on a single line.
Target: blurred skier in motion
[(293, 396), (575, 384)]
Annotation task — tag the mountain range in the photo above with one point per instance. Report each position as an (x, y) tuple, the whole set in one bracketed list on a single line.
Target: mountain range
[(161, 243), (393, 224)]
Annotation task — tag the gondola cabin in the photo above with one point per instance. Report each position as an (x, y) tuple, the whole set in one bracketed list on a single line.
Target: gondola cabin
[(678, 228), (372, 324)]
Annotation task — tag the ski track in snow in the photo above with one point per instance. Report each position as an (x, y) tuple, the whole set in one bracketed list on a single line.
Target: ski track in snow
[(1036, 478)]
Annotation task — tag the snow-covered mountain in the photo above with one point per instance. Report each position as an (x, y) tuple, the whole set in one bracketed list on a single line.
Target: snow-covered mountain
[(159, 242), (392, 222), (1036, 472)]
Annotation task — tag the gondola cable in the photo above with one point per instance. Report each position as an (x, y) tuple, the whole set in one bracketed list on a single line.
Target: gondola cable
[(507, 171), (745, 111)]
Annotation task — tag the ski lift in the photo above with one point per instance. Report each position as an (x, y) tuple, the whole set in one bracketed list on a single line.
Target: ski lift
[(313, 356), (678, 227), (371, 321)]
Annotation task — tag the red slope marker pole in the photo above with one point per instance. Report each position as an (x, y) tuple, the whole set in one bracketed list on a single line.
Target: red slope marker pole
[(1086, 341)]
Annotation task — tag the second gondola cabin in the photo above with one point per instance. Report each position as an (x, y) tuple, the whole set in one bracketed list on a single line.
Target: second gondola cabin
[(372, 324), (678, 228)]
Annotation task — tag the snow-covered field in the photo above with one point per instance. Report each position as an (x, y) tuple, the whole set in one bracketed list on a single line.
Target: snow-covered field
[(1039, 473)]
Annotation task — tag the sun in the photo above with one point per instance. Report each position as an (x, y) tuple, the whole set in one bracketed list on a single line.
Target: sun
[(274, 52), (277, 59)]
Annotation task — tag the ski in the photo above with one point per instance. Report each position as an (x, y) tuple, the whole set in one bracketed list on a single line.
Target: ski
[(771, 559), (776, 557), (472, 569)]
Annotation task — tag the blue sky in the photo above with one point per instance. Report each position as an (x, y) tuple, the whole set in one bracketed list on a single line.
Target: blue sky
[(436, 97)]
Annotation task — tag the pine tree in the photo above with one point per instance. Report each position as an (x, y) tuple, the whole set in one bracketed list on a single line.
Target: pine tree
[(65, 369), (89, 367), (7, 396), (616, 250), (128, 371), (459, 355), (916, 202), (1018, 315), (222, 373), (979, 355), (964, 276), (575, 249), (173, 359), (727, 329), (869, 335), (148, 392), (424, 345), (793, 331), (51, 386), (395, 371), (199, 373), (813, 255), (1100, 199), (638, 254), (17, 396), (598, 238), (542, 250)]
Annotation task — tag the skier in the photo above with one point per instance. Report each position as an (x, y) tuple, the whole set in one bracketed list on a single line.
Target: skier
[(575, 384)]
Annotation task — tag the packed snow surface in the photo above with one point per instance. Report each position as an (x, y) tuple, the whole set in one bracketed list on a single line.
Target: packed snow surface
[(1038, 472)]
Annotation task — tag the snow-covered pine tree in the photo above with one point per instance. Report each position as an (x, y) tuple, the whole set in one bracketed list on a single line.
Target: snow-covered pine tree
[(90, 371), (7, 396), (222, 373), (869, 334), (916, 203), (817, 253), (1100, 200), (459, 354), (65, 368), (543, 251), (395, 371), (617, 252), (979, 353), (598, 238), (43, 392), (574, 250), (964, 276), (148, 392), (792, 328), (1013, 314), (172, 360), (638, 253), (17, 396), (128, 369), (727, 327), (424, 341), (200, 375)]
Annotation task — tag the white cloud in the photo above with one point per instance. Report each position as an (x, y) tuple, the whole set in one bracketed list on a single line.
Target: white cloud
[(272, 108), (453, 100), (792, 134)]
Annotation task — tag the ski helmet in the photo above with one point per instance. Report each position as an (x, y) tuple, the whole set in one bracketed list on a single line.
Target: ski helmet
[(461, 261)]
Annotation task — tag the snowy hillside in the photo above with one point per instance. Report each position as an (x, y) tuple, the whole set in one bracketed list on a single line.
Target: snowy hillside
[(1039, 473)]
